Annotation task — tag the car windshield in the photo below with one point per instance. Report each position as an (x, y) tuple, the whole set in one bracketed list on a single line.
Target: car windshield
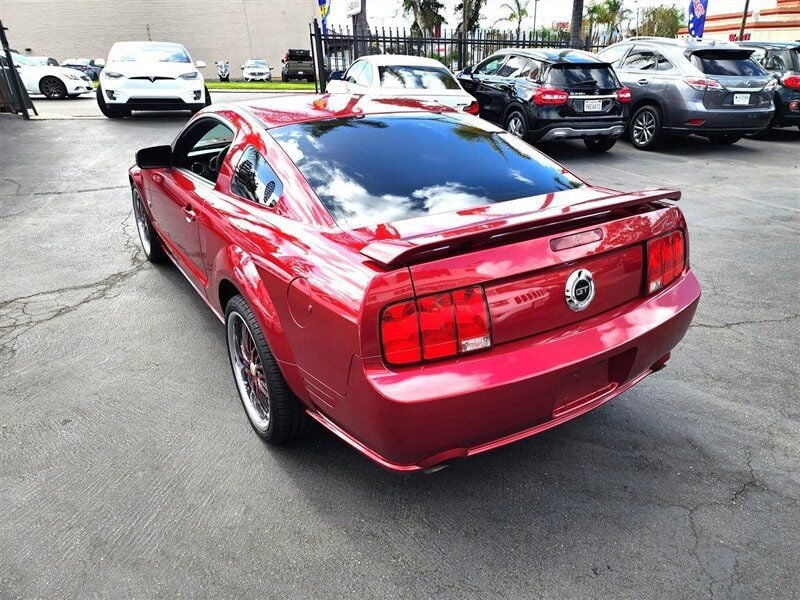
[(23, 60), (373, 170), (77, 61), (727, 62), (577, 76), (255, 63), (150, 52), (416, 77)]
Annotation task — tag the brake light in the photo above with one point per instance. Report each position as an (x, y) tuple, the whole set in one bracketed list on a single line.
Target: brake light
[(435, 326), (666, 259), (547, 96), (792, 82), (702, 84), (624, 95), (473, 108)]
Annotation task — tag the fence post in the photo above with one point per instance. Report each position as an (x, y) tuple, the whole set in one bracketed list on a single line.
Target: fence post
[(14, 77), (319, 59)]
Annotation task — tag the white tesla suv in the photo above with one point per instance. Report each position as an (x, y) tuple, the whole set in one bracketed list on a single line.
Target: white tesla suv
[(150, 76)]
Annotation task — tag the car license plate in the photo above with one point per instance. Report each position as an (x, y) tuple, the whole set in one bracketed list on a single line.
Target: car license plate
[(592, 105), (741, 99)]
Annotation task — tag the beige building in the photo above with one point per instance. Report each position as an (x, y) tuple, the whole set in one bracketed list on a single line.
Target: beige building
[(232, 30)]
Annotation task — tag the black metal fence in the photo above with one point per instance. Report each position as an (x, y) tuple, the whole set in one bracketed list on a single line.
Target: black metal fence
[(338, 47), (13, 95)]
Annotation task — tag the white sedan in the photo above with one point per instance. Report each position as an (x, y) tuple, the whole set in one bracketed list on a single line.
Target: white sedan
[(52, 82), (398, 76), (256, 70), (150, 76)]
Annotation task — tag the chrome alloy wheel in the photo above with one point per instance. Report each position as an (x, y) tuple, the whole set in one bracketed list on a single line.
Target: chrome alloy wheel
[(644, 127), (248, 371), (142, 224), (52, 88), (516, 126)]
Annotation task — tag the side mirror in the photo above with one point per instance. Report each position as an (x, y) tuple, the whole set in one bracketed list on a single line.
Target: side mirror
[(242, 67), (336, 76), (467, 72), (283, 60), (200, 64), (99, 62), (272, 68), (155, 157)]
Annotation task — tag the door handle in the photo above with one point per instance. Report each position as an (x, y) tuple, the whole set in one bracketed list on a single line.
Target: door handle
[(643, 81), (189, 213)]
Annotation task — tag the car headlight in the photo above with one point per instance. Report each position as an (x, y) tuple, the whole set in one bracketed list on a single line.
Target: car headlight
[(112, 74), (71, 76), (192, 75)]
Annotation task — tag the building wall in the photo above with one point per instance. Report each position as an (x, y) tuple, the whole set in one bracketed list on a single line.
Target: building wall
[(232, 30)]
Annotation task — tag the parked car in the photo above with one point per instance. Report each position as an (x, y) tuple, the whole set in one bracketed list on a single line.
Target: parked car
[(422, 283), (52, 82), (90, 66), (550, 95), (682, 87), (151, 76), (395, 76), (44, 60), (782, 61), (256, 70), (297, 64)]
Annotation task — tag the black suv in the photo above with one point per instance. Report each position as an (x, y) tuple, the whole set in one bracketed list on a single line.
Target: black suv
[(551, 94), (782, 61)]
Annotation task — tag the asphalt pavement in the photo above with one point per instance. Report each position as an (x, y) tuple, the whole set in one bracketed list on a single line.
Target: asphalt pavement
[(128, 468)]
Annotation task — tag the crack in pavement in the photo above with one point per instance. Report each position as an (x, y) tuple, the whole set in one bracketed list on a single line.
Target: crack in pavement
[(753, 322), (20, 315), (59, 192)]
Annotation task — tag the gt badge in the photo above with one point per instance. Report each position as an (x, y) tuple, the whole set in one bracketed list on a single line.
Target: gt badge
[(579, 291)]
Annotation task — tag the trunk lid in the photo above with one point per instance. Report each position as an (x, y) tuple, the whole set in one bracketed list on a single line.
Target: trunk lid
[(742, 79), (592, 89)]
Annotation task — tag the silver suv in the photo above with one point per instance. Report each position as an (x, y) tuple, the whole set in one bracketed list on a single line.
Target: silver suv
[(683, 87)]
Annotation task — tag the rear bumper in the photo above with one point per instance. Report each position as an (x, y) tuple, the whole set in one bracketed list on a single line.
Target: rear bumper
[(416, 418), (566, 133), (561, 129), (741, 121)]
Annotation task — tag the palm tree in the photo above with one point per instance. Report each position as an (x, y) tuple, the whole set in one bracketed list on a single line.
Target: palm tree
[(472, 10), (576, 24), (595, 14), (615, 13), (426, 14), (517, 11)]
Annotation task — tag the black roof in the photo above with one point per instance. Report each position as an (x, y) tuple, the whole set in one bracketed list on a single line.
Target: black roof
[(555, 55)]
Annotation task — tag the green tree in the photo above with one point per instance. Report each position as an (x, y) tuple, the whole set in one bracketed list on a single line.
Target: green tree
[(517, 10), (663, 21), (473, 11), (426, 14), (595, 15), (615, 13)]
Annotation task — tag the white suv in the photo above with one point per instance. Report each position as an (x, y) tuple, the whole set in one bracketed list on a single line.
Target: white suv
[(150, 76)]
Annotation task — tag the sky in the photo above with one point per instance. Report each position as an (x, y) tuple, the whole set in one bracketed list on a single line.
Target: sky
[(389, 13)]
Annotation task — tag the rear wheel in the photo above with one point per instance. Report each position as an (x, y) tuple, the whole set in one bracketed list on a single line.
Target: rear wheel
[(148, 237), (644, 130), (599, 144), (53, 88), (724, 139), (274, 413), (516, 123)]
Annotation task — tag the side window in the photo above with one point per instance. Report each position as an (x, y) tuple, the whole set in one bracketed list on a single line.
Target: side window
[(201, 149), (614, 54), (759, 56), (640, 59), (364, 77), (254, 180), (515, 66), (354, 71), (664, 65), (536, 70), (773, 62), (490, 67)]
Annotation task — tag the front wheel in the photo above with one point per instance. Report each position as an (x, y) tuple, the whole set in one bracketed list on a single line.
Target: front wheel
[(109, 111), (644, 130), (724, 139), (274, 413), (516, 123), (53, 88), (599, 144)]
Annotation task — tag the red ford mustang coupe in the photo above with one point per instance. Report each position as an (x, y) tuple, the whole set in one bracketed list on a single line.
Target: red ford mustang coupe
[(417, 280)]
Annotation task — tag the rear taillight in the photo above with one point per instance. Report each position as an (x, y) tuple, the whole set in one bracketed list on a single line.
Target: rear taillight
[(547, 96), (666, 260), (435, 326), (701, 83), (472, 108), (624, 95), (792, 82)]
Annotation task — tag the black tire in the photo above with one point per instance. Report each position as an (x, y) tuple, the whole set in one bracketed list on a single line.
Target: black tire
[(599, 144), (286, 417), (53, 88), (724, 139), (148, 238), (111, 113), (644, 130), (208, 96), (516, 123)]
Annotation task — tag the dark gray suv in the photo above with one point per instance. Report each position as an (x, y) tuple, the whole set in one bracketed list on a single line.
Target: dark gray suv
[(683, 87)]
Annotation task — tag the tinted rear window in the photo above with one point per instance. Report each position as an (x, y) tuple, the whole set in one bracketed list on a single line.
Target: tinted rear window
[(727, 63), (368, 171), (578, 76), (414, 77)]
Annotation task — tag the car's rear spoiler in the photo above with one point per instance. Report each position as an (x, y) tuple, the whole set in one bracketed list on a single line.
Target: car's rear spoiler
[(391, 253)]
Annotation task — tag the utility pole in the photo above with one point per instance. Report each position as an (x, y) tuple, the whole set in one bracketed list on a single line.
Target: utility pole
[(636, 2), (744, 20), (535, 7), (464, 18)]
